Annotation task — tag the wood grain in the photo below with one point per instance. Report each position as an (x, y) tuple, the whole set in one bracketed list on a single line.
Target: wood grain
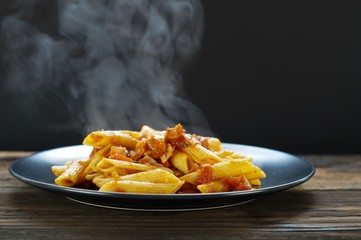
[(326, 207)]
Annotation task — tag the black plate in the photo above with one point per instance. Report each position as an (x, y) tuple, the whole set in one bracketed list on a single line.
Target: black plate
[(283, 171)]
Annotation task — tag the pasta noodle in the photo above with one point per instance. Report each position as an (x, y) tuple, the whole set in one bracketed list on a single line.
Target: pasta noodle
[(159, 162)]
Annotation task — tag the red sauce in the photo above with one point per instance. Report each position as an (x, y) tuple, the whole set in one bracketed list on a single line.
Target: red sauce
[(177, 137), (119, 153), (157, 146), (205, 175)]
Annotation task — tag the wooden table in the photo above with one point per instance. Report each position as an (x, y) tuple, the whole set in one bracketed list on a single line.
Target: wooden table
[(326, 207)]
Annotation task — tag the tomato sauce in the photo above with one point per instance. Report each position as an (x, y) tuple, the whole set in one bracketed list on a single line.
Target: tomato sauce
[(205, 175)]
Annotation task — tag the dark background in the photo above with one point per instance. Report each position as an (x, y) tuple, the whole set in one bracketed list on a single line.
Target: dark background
[(277, 74), (282, 74)]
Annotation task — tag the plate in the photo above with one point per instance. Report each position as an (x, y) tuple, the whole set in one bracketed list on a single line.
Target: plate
[(283, 171)]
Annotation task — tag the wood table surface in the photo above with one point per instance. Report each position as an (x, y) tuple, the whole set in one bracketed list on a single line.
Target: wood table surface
[(326, 207)]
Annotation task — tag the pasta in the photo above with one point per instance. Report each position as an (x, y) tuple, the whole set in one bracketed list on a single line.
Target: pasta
[(159, 162)]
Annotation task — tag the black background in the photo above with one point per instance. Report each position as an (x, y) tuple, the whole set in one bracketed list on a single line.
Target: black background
[(282, 74), (277, 74)]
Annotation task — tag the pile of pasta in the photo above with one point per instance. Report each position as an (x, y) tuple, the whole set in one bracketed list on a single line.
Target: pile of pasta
[(159, 162)]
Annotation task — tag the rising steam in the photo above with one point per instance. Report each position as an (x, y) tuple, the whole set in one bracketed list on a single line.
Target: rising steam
[(103, 64)]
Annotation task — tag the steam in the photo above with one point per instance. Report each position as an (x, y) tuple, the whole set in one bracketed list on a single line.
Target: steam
[(104, 64)]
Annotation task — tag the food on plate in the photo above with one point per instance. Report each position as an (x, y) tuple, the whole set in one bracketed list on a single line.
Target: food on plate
[(158, 162)]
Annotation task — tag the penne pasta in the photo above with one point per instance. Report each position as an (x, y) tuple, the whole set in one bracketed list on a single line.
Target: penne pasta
[(255, 182), (159, 162), (213, 144), (101, 180), (201, 155), (111, 165), (157, 175), (58, 170), (141, 187), (221, 170), (103, 138), (213, 186), (229, 155), (180, 161), (95, 158), (239, 183), (255, 173), (73, 174)]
